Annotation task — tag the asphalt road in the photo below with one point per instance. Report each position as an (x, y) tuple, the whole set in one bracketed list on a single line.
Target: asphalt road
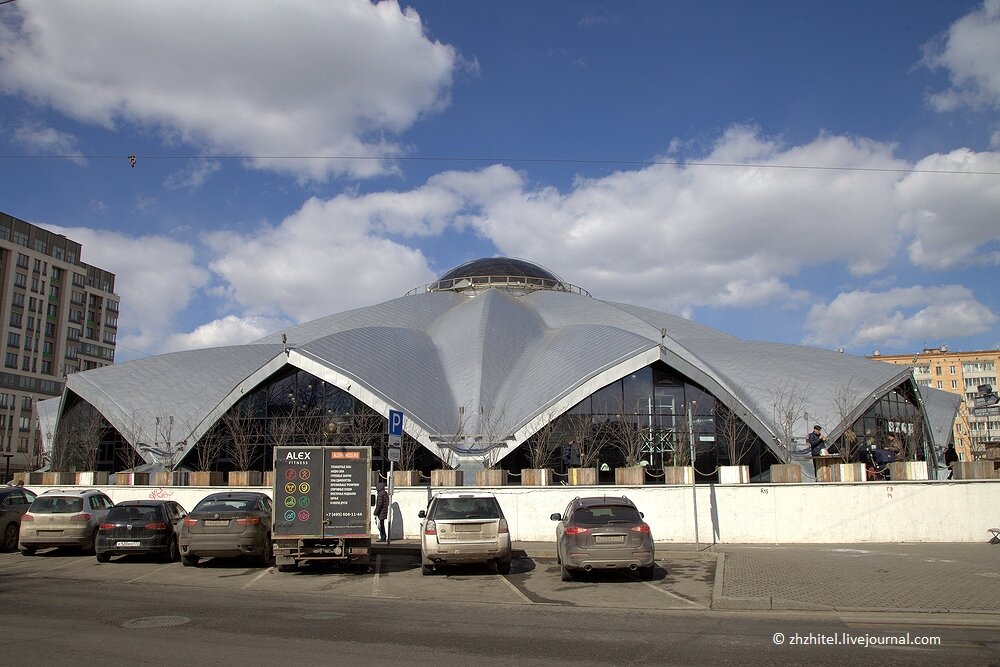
[(66, 609)]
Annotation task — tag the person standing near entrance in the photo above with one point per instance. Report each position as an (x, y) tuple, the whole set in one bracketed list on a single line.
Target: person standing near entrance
[(381, 510), (816, 441)]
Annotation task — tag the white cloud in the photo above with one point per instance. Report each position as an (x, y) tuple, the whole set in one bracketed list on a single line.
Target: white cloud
[(193, 176), (156, 278), (41, 139), (952, 216), (898, 317), (314, 78), (970, 51), (229, 330)]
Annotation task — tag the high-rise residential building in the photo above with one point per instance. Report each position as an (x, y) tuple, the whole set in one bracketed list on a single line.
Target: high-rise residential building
[(973, 375), (59, 316)]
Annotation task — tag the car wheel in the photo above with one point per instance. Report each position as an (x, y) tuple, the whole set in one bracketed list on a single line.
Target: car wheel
[(189, 561), (566, 573), (287, 567), (426, 570), (503, 567), (174, 553), (267, 556), (646, 573), (103, 556), (92, 547), (10, 537), (27, 551)]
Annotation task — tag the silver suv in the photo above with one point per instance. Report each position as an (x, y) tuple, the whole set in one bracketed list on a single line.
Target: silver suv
[(464, 528), (63, 518)]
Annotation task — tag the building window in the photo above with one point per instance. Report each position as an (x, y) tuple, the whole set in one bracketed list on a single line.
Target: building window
[(954, 384), (72, 333), (31, 323), (77, 297), (56, 273), (41, 245), (25, 423), (26, 403), (25, 363), (46, 367), (34, 284), (940, 385), (53, 310), (47, 348), (937, 371), (38, 266), (4, 400), (17, 299), (11, 361), (57, 252), (951, 369), (13, 338), (22, 260), (20, 280), (53, 292), (15, 319), (28, 342), (109, 337), (20, 238), (50, 329)]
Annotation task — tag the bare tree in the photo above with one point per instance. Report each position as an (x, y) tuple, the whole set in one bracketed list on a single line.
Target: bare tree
[(130, 455), (736, 434), (845, 398), (494, 428), (242, 439), (541, 447), (630, 439), (787, 405), (210, 447), (680, 439), (580, 429), (86, 432)]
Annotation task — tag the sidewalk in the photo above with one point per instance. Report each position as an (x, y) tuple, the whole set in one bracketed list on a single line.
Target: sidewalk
[(959, 578)]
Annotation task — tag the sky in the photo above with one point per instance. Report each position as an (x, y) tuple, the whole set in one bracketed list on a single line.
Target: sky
[(825, 174)]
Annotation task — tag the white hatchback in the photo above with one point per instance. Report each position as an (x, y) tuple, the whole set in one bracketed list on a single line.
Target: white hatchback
[(463, 527)]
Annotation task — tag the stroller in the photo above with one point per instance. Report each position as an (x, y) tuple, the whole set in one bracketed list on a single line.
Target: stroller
[(877, 466)]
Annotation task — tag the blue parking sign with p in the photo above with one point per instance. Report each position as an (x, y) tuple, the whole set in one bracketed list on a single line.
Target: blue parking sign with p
[(395, 422)]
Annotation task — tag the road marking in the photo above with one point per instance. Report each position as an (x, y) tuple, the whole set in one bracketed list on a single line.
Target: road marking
[(132, 581), (253, 581), (57, 567), (673, 595), (515, 589)]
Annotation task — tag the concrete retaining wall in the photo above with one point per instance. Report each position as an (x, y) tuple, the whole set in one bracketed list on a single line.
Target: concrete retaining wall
[(933, 511)]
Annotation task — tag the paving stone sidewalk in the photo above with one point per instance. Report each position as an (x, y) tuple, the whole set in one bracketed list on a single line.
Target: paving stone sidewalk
[(958, 578)]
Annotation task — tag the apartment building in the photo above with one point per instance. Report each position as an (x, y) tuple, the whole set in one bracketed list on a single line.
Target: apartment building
[(965, 373), (59, 316)]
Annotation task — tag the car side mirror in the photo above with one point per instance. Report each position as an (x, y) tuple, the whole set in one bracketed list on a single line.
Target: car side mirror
[(421, 514), (641, 515), (555, 516)]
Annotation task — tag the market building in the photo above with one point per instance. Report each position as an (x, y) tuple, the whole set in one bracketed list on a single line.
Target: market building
[(498, 363)]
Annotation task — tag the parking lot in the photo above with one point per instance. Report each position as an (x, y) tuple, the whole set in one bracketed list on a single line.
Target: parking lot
[(684, 582)]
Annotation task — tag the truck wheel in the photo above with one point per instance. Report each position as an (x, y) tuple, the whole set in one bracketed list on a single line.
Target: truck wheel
[(287, 567)]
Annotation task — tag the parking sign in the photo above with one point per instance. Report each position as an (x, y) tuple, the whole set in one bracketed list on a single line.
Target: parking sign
[(395, 422)]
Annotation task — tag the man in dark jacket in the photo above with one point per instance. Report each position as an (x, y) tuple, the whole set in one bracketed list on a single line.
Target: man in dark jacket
[(381, 511)]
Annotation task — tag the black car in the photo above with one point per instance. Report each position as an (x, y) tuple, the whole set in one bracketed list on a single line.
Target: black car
[(14, 501), (141, 527)]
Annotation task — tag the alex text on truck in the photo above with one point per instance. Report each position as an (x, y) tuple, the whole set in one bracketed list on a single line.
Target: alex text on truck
[(321, 498)]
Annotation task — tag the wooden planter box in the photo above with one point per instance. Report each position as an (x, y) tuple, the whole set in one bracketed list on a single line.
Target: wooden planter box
[(170, 478), (786, 473), (244, 478), (269, 479), (678, 475), (851, 472), (630, 476), (907, 470), (50, 479), (22, 477), (583, 476), (536, 477), (734, 474), (94, 478), (491, 477), (405, 478), (132, 478), (205, 478), (36, 478), (973, 470), (447, 478)]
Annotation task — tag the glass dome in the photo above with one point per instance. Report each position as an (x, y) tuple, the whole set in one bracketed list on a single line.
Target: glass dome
[(500, 273)]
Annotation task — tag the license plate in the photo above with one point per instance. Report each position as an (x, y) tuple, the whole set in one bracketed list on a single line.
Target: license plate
[(216, 523), (126, 544), (609, 539), (467, 527), (49, 533)]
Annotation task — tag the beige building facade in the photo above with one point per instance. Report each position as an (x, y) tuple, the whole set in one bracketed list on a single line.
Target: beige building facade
[(967, 374), (59, 316)]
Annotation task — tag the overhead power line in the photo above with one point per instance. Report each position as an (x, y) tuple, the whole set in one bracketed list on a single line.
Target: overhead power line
[(136, 158)]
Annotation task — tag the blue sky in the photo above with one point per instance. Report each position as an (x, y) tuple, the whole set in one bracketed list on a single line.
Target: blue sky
[(784, 171)]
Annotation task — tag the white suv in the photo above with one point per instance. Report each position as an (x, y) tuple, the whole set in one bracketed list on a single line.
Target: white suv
[(463, 527), (59, 518)]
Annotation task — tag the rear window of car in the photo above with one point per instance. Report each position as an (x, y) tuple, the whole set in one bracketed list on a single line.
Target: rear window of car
[(134, 513), (56, 505), (467, 508), (600, 515), (226, 505)]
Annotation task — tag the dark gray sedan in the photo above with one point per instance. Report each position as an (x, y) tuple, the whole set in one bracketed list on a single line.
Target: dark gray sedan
[(14, 501), (228, 524), (603, 533)]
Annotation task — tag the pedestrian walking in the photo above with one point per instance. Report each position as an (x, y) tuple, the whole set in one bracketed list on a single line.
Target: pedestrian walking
[(381, 510)]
